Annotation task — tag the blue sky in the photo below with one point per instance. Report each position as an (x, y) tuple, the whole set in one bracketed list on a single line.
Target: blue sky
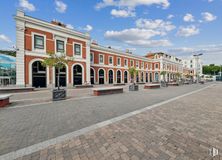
[(178, 27)]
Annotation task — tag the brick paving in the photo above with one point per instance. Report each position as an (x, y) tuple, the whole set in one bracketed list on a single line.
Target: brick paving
[(26, 126), (183, 129)]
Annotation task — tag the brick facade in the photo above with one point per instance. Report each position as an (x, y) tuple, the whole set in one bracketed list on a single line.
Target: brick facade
[(146, 66)]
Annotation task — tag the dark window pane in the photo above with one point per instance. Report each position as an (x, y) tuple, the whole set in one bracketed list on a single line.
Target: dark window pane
[(60, 46), (77, 49), (38, 42)]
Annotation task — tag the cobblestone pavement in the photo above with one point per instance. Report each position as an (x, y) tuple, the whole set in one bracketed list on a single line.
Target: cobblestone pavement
[(183, 129), (22, 127)]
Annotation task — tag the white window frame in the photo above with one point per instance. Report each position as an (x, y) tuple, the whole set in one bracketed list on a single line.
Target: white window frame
[(103, 58), (92, 62), (60, 39), (33, 45), (131, 63), (119, 61), (137, 64), (111, 64), (157, 66), (142, 65), (126, 65), (74, 55)]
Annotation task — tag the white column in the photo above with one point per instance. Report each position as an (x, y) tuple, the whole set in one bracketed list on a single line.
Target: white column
[(20, 53), (87, 78)]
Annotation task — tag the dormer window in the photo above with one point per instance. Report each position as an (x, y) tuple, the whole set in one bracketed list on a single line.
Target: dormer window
[(38, 42), (60, 46)]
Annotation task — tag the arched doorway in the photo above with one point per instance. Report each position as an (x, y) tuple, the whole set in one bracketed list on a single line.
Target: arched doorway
[(125, 77), (151, 77), (110, 77), (92, 76), (38, 75), (77, 75), (62, 76), (156, 77), (146, 77), (142, 77), (101, 76), (118, 76)]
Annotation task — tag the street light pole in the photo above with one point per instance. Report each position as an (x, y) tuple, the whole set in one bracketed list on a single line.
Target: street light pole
[(197, 68)]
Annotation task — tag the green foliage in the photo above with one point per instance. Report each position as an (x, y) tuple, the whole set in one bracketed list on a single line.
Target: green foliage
[(211, 69), (178, 75), (132, 71), (8, 52), (56, 61), (163, 73)]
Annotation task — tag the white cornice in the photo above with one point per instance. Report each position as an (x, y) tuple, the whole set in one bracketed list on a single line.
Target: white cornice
[(48, 25), (119, 53)]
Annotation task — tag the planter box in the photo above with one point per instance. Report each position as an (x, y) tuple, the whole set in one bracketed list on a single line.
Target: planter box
[(84, 86), (107, 90), (133, 87), (119, 84), (151, 86), (58, 94), (4, 100)]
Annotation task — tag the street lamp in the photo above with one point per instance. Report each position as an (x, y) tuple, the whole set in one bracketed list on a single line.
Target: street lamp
[(197, 69)]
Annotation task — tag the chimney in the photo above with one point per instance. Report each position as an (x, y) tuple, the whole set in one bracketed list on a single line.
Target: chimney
[(128, 51), (94, 42), (55, 22)]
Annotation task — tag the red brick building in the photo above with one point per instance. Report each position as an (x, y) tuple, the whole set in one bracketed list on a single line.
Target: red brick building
[(92, 64)]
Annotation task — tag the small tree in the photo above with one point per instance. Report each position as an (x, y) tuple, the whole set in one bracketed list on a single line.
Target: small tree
[(132, 72), (164, 75), (178, 76), (58, 61)]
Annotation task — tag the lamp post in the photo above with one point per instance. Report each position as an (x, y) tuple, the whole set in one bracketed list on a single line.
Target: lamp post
[(197, 56)]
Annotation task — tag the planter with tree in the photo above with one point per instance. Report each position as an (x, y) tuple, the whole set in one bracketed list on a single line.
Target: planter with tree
[(178, 77), (133, 86), (164, 83), (58, 61)]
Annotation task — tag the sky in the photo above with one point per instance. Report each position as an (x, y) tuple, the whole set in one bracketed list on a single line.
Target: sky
[(177, 27)]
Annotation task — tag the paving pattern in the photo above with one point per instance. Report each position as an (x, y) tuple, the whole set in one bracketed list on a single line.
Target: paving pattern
[(182, 129)]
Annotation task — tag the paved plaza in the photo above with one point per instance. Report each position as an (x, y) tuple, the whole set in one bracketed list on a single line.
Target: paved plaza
[(183, 128)]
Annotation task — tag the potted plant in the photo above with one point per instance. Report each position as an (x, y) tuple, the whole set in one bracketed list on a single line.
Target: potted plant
[(57, 60), (133, 86)]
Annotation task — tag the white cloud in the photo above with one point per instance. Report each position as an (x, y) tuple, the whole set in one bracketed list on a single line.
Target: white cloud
[(208, 17), (69, 26), (122, 13), (212, 54), (88, 28), (170, 16), (188, 31), (60, 6), (26, 5), (158, 25), (132, 3), (4, 38), (210, 1), (188, 18), (137, 37)]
